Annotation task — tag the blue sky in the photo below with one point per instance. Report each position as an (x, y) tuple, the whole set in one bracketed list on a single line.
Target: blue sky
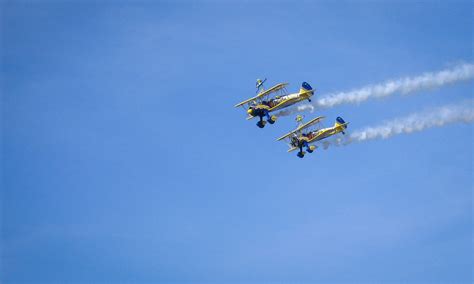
[(123, 158)]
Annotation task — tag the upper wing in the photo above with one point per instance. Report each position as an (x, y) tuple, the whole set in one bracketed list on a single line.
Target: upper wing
[(301, 127), (311, 122), (287, 134), (264, 93)]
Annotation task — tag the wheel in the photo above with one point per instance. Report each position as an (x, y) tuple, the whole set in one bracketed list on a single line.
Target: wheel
[(311, 149), (272, 119), (261, 124), (300, 154)]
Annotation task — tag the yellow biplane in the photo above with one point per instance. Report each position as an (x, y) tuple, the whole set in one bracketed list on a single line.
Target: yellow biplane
[(309, 132), (275, 98)]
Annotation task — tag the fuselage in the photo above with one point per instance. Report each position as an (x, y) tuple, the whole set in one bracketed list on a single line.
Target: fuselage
[(279, 103), (286, 101), (312, 136), (322, 133)]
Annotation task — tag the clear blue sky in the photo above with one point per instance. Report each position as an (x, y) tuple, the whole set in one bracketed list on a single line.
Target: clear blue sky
[(123, 158)]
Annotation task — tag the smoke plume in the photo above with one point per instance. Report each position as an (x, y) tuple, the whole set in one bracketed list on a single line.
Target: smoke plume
[(439, 117), (407, 85)]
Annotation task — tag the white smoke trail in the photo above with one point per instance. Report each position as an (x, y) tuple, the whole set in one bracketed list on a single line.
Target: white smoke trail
[(462, 112), (431, 80)]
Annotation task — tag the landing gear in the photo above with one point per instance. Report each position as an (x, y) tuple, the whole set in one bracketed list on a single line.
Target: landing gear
[(272, 119), (300, 154), (309, 100), (311, 148), (261, 123)]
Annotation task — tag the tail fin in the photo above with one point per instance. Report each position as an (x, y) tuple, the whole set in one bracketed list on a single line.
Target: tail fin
[(339, 122), (305, 87)]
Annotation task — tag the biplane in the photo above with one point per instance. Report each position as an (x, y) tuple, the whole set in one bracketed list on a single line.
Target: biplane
[(275, 98), (310, 132)]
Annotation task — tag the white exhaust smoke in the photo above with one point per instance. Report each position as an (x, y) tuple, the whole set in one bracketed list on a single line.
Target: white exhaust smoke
[(462, 112), (431, 80)]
